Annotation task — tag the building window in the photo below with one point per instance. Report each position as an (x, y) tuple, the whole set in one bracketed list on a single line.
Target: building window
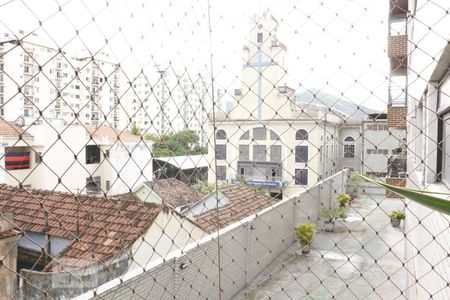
[(259, 134), (301, 154), (245, 136), (221, 173), (244, 152), (221, 134), (107, 153), (92, 154), (349, 147), (93, 185), (301, 135), (274, 136), (443, 159), (259, 152), (107, 185), (275, 153), (259, 37), (221, 151), (301, 176)]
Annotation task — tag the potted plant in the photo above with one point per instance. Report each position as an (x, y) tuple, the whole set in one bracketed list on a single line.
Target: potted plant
[(331, 215), (353, 184), (305, 235), (396, 217), (343, 199)]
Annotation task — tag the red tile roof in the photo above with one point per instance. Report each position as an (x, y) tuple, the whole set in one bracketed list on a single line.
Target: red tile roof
[(244, 201), (174, 192), (10, 129), (105, 227), (112, 134)]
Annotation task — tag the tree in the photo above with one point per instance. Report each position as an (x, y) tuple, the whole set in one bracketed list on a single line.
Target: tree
[(135, 129), (175, 144)]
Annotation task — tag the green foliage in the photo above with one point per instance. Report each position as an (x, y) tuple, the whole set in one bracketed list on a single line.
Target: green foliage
[(397, 214), (419, 196), (343, 198), (206, 188), (135, 129), (331, 214), (305, 233), (175, 144), (354, 180)]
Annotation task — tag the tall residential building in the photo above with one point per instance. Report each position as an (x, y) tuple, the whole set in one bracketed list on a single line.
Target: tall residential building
[(38, 80), (268, 138), (398, 77), (166, 101)]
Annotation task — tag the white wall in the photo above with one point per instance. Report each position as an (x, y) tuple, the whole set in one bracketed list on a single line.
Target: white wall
[(169, 232)]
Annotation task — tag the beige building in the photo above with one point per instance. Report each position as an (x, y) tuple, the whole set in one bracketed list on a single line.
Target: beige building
[(268, 138)]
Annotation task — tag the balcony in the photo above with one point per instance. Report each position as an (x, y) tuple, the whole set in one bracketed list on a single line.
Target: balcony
[(265, 181)]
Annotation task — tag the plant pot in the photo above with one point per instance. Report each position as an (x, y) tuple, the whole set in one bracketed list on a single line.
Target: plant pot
[(395, 222), (329, 226), (306, 249)]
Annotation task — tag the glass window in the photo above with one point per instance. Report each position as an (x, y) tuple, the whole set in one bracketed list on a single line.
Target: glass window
[(245, 136), (221, 152), (221, 134), (275, 153), (301, 176), (259, 134), (259, 152), (274, 136), (92, 154), (301, 153), (221, 173), (244, 152), (259, 37), (301, 135), (349, 147), (93, 185), (444, 93)]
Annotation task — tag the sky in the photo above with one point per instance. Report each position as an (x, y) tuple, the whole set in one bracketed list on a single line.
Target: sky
[(338, 46)]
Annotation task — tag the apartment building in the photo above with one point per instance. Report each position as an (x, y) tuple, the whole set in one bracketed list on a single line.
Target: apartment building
[(166, 101), (268, 138), (398, 83), (39, 81), (85, 159)]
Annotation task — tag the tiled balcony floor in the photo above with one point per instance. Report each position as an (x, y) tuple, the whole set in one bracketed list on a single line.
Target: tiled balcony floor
[(363, 258)]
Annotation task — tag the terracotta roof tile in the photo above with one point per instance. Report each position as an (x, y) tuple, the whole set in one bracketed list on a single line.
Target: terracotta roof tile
[(11, 129), (174, 192), (105, 226), (244, 201), (112, 134)]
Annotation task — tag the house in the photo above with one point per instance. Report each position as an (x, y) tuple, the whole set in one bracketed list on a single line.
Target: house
[(77, 242), (87, 159), (171, 192), (232, 204)]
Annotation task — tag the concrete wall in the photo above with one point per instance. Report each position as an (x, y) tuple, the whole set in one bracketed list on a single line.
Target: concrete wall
[(66, 285), (8, 257), (221, 265)]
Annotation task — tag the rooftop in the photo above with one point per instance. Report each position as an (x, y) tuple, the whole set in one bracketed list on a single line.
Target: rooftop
[(174, 192), (244, 201), (10, 129), (99, 228)]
